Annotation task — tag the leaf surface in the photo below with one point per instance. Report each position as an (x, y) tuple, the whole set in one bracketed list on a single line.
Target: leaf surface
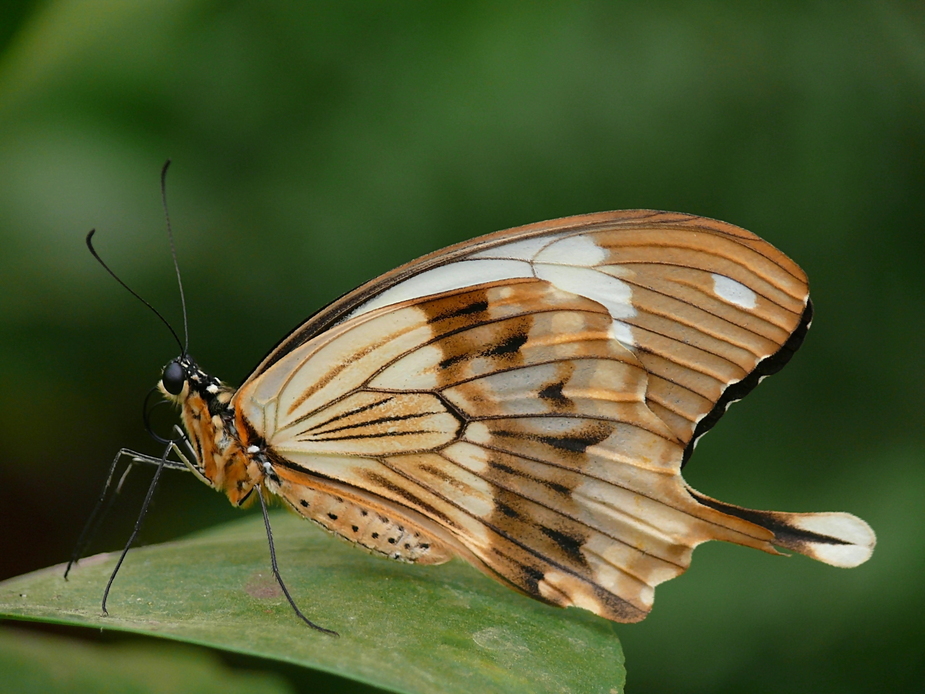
[(402, 628)]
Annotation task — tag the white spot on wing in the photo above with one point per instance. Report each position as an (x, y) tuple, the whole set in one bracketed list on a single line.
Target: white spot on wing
[(615, 295), (844, 556), (623, 333), (518, 250), (856, 538), (478, 433), (463, 273), (573, 250), (566, 261), (733, 292)]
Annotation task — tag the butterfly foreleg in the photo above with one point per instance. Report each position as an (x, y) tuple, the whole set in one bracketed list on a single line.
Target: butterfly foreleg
[(162, 463), (106, 500)]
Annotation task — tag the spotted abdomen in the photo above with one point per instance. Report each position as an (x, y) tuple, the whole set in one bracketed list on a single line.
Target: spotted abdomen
[(366, 527)]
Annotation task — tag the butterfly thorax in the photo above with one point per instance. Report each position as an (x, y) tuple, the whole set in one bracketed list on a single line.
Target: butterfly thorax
[(207, 413)]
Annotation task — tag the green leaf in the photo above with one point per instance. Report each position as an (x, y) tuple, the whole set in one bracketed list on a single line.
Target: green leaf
[(54, 665), (402, 628)]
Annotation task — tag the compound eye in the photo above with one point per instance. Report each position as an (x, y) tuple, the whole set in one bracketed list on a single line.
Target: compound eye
[(173, 378)]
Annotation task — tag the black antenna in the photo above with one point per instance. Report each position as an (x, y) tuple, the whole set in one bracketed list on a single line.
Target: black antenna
[(173, 254), (132, 291)]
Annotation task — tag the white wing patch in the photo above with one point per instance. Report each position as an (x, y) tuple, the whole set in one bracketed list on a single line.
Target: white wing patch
[(615, 295), (573, 250), (518, 250), (446, 278), (568, 262), (854, 538), (623, 333), (734, 292)]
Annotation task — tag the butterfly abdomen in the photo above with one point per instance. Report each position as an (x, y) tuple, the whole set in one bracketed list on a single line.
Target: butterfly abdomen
[(369, 528)]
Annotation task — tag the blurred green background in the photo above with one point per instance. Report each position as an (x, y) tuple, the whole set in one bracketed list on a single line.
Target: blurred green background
[(318, 144)]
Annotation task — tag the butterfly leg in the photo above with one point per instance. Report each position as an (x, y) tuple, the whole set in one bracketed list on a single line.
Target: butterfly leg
[(102, 507), (162, 463), (186, 457), (275, 566)]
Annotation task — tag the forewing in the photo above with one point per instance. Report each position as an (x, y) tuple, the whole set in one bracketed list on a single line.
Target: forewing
[(707, 308)]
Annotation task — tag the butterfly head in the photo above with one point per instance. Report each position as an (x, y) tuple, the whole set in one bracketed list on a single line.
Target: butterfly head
[(173, 378), (207, 415), (182, 378)]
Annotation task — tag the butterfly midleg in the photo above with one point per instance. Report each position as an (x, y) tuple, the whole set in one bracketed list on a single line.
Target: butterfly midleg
[(279, 579)]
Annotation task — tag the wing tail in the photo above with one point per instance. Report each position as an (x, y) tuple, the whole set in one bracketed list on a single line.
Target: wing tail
[(835, 538)]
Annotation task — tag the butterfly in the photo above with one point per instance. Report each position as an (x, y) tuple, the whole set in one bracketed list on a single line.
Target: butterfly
[(526, 401)]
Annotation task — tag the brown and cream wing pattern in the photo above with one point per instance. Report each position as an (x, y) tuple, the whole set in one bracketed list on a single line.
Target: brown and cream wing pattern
[(701, 303), (526, 400), (509, 418)]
